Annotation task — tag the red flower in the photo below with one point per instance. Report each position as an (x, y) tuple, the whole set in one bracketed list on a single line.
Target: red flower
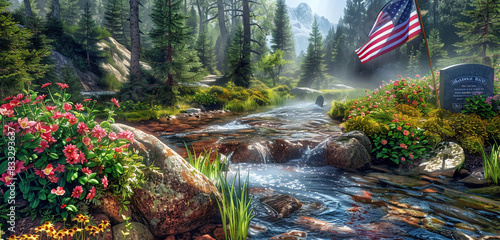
[(49, 170), (18, 166), (384, 142), (57, 115), (98, 132), (396, 83), (59, 191), (86, 141), (82, 129), (87, 99), (405, 132), (403, 159), (50, 108), (112, 136), (395, 120), (68, 140), (41, 97), (63, 206), (105, 182), (67, 107), (91, 194), (115, 102), (6, 112), (63, 85), (118, 150), (87, 171), (400, 128), (77, 191), (71, 153), (53, 178), (6, 178), (59, 168), (79, 107), (46, 85)]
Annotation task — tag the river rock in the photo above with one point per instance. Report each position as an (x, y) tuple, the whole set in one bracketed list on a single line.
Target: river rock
[(360, 136), (283, 150), (320, 100), (383, 229), (347, 154), (177, 198), (302, 92), (193, 110), (292, 235), (396, 180), (110, 205), (446, 160), (457, 235), (138, 231), (476, 177), (319, 225), (283, 205)]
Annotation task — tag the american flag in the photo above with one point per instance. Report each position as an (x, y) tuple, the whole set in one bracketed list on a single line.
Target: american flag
[(396, 24)]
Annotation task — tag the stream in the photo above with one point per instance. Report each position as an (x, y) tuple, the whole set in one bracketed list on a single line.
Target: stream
[(339, 204)]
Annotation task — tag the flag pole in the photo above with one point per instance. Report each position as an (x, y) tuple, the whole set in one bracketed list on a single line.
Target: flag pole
[(428, 53)]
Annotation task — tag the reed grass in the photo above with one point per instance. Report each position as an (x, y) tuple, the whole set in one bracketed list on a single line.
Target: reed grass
[(491, 164), (212, 169), (234, 207)]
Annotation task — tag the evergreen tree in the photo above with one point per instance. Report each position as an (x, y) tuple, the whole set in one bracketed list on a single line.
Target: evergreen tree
[(239, 68), (435, 46), (112, 17), (282, 34), (206, 51), (482, 33), (87, 33), (69, 9), (175, 61), (192, 23), (312, 66), (20, 63), (329, 51)]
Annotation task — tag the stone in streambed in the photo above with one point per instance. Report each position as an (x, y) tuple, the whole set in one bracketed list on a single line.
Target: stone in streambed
[(347, 153), (400, 181), (176, 198), (360, 136), (447, 158), (292, 235), (318, 225), (283, 150), (283, 205)]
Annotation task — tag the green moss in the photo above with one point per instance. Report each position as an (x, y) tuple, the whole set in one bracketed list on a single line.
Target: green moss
[(408, 110), (368, 126)]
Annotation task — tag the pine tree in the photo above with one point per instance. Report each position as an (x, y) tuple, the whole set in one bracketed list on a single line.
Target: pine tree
[(69, 9), (206, 52), (175, 61), (482, 33), (20, 63), (192, 23), (312, 66), (282, 34), (87, 33), (112, 17), (329, 51), (239, 69)]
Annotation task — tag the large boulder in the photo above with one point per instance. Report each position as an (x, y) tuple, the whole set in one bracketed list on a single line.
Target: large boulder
[(302, 92), (446, 159), (283, 150), (360, 136), (347, 153), (177, 198)]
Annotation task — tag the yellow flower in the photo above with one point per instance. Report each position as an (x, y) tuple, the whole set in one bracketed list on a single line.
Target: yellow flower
[(13, 237), (105, 223)]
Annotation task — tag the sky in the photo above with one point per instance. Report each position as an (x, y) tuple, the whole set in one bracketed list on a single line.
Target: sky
[(331, 9)]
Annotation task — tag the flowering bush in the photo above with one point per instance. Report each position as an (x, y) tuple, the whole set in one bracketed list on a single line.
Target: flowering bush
[(402, 144), (58, 154), (479, 105)]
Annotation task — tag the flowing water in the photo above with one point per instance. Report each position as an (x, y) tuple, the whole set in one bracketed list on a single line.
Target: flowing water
[(339, 204)]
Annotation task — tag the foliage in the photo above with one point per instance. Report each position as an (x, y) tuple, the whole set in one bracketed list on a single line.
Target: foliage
[(312, 66), (367, 125), (211, 168), (472, 129), (20, 61), (439, 128), (493, 128), (206, 98), (273, 65), (69, 9), (238, 63), (477, 104), (234, 207), (282, 33), (491, 164), (87, 33), (64, 155), (206, 52), (402, 144), (82, 230)]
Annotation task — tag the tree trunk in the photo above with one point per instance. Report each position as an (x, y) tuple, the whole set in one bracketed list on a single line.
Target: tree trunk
[(135, 41), (27, 9), (56, 9), (223, 34)]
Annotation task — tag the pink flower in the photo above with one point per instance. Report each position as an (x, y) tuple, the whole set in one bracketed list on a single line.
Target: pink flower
[(98, 132), (54, 127), (87, 171), (71, 153), (400, 128), (403, 159), (79, 107), (82, 158), (402, 145), (86, 141), (405, 132), (82, 129), (53, 178), (6, 112), (18, 166), (91, 194), (115, 102), (118, 150), (90, 147), (68, 140), (59, 191), (67, 107), (57, 115), (395, 120), (126, 135), (6, 178), (396, 83), (87, 99), (77, 191), (50, 108), (63, 85), (43, 145), (41, 97), (105, 182), (384, 142), (112, 136), (46, 85), (59, 168), (24, 123)]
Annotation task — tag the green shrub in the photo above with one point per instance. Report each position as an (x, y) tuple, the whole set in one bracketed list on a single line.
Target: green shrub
[(103, 33), (111, 82), (368, 126), (473, 144), (339, 110), (477, 104), (440, 127), (493, 128), (469, 126), (408, 110)]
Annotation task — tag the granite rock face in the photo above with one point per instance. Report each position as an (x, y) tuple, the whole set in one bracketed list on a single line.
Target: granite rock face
[(177, 198)]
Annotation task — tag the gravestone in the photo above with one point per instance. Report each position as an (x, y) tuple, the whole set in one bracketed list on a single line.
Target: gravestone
[(460, 81)]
